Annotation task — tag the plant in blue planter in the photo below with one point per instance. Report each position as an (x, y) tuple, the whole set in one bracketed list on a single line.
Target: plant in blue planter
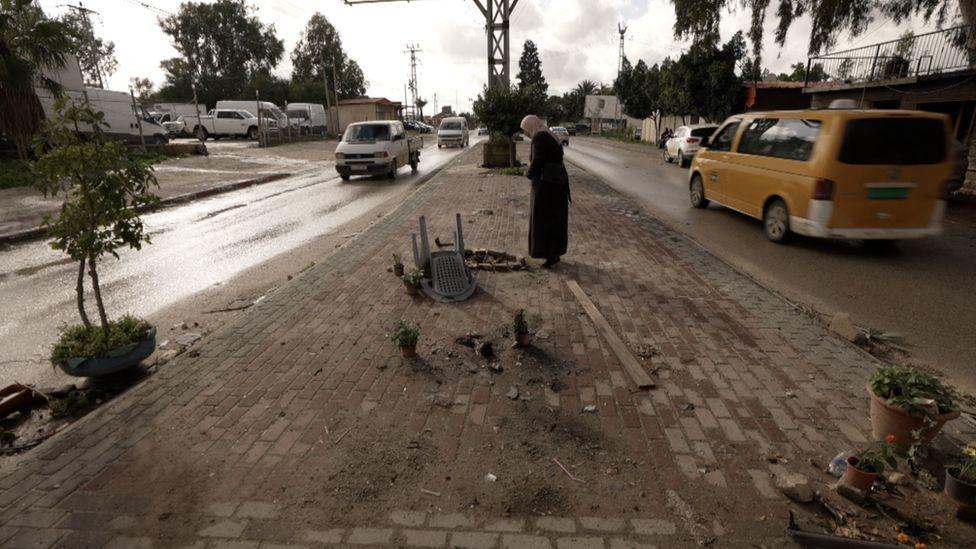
[(104, 185)]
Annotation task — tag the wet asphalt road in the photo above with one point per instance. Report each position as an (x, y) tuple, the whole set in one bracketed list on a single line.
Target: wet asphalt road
[(194, 246), (924, 289)]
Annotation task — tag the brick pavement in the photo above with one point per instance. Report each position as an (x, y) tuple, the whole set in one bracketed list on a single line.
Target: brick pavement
[(297, 425)]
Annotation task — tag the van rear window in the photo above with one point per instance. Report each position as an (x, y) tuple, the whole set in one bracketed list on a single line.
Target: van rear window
[(899, 141)]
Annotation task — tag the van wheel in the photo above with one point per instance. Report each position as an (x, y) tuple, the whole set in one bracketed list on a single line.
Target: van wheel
[(392, 174), (697, 192), (667, 157), (200, 133), (345, 177), (414, 163), (252, 133), (776, 221)]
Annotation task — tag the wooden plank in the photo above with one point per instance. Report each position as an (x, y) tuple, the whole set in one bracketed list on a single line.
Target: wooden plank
[(629, 361)]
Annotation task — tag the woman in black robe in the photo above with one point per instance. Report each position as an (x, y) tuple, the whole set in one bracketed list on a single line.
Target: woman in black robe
[(549, 208)]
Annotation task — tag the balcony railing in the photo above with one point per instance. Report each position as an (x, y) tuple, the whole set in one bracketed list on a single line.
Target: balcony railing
[(937, 52)]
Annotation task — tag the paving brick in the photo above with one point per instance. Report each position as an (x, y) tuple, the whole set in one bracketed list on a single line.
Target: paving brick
[(603, 524), (556, 524), (521, 541), (453, 520), (235, 544), (620, 543), (653, 527), (580, 543), (30, 538), (222, 509), (474, 540), (425, 538), (323, 536), (223, 529), (127, 542), (37, 518), (257, 510), (370, 536), (506, 525), (408, 518)]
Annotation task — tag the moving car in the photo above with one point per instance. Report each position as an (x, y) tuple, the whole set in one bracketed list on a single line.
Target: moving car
[(562, 134), (377, 147), (830, 173), (453, 132), (685, 142)]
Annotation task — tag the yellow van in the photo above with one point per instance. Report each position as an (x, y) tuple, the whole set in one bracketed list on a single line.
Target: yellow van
[(833, 173)]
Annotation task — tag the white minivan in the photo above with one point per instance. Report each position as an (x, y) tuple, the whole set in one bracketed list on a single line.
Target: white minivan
[(453, 132)]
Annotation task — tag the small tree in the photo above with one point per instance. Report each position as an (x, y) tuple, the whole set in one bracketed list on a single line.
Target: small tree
[(104, 185)]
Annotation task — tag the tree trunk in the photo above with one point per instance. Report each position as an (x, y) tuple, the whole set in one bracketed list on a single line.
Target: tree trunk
[(80, 292), (93, 273)]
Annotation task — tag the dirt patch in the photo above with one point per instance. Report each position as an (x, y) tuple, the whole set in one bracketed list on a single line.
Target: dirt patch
[(392, 460)]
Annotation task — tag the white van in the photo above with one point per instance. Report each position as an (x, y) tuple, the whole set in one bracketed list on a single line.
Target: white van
[(453, 132), (307, 117), (121, 117), (182, 116), (270, 113)]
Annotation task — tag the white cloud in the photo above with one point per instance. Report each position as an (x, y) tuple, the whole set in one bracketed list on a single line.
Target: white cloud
[(577, 39)]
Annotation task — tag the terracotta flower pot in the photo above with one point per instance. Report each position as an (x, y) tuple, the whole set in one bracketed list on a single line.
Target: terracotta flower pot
[(523, 340), (408, 351), (412, 289), (398, 270), (857, 478), (886, 419), (959, 491)]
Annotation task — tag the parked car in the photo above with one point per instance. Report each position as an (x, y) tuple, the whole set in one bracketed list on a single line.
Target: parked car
[(830, 173), (425, 128), (582, 129), (562, 134), (637, 133), (685, 142), (483, 130), (453, 132), (188, 111), (122, 117), (228, 123), (269, 112), (377, 147), (174, 123), (410, 125)]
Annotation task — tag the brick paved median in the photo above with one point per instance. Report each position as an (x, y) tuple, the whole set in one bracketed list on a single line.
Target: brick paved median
[(298, 425)]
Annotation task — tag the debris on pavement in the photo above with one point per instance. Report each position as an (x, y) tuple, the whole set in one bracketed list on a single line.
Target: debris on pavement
[(589, 409), (812, 539), (795, 486), (513, 393), (841, 325), (490, 478), (851, 493), (568, 474)]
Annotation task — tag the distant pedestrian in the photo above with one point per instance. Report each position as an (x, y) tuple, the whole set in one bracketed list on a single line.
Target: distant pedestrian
[(549, 208)]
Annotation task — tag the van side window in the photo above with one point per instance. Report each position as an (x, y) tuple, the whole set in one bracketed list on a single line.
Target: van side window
[(789, 138), (225, 114), (723, 138)]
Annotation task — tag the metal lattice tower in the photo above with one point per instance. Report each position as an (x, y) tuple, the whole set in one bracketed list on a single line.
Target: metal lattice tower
[(413, 50), (86, 15), (497, 17), (620, 58)]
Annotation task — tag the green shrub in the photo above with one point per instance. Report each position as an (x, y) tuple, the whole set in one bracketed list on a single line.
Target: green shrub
[(519, 324), (907, 388), (405, 334), (413, 277), (15, 173), (80, 342)]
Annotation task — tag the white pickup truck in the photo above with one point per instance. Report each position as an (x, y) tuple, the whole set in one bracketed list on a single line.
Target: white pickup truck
[(375, 148), (225, 123)]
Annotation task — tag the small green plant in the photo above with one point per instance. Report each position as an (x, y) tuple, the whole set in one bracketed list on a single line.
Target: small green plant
[(966, 470), (413, 278), (519, 325), (80, 342), (70, 405), (405, 335), (397, 260), (910, 389), (517, 171), (875, 457), (7, 438)]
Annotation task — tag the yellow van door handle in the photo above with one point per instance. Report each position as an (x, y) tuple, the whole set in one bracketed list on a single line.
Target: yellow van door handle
[(713, 175)]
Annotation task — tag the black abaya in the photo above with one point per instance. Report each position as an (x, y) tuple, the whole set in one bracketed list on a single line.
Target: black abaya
[(549, 209)]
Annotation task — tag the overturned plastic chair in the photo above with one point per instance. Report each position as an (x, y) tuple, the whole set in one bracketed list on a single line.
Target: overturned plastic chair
[(446, 276)]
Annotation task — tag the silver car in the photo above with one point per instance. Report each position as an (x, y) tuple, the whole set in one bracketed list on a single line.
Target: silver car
[(685, 142), (562, 134)]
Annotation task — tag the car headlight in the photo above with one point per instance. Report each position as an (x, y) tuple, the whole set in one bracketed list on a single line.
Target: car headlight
[(339, 156), (383, 154)]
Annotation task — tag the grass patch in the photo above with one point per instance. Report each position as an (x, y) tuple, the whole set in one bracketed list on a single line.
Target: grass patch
[(15, 173), (80, 342), (516, 170)]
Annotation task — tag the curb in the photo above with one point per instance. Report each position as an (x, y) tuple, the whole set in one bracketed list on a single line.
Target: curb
[(40, 232)]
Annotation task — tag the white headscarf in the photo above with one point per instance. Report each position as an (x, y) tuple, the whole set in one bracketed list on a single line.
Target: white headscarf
[(532, 124)]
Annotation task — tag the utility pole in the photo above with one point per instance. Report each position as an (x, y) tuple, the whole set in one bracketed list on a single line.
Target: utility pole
[(328, 100), (620, 59), (80, 8), (497, 18), (413, 50)]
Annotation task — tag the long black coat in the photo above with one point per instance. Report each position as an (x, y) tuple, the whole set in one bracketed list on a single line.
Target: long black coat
[(549, 209)]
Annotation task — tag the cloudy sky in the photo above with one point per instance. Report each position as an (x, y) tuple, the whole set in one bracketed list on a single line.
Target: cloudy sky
[(577, 39)]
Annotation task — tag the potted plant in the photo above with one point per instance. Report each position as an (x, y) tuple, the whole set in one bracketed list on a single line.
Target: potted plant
[(397, 265), (521, 328), (864, 467), (501, 111), (960, 482), (903, 400), (104, 186), (411, 281), (405, 337)]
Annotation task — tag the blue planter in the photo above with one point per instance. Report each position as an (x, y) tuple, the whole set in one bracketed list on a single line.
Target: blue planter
[(113, 361)]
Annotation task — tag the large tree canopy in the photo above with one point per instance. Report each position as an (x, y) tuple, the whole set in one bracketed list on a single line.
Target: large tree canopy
[(318, 50), (699, 19), (530, 78), (222, 48)]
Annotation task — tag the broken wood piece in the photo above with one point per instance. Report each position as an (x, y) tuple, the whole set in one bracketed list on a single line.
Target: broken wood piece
[(629, 362), (343, 435), (430, 492), (568, 474), (830, 541)]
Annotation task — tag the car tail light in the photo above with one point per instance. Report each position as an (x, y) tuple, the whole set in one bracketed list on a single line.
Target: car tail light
[(823, 190), (693, 140)]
